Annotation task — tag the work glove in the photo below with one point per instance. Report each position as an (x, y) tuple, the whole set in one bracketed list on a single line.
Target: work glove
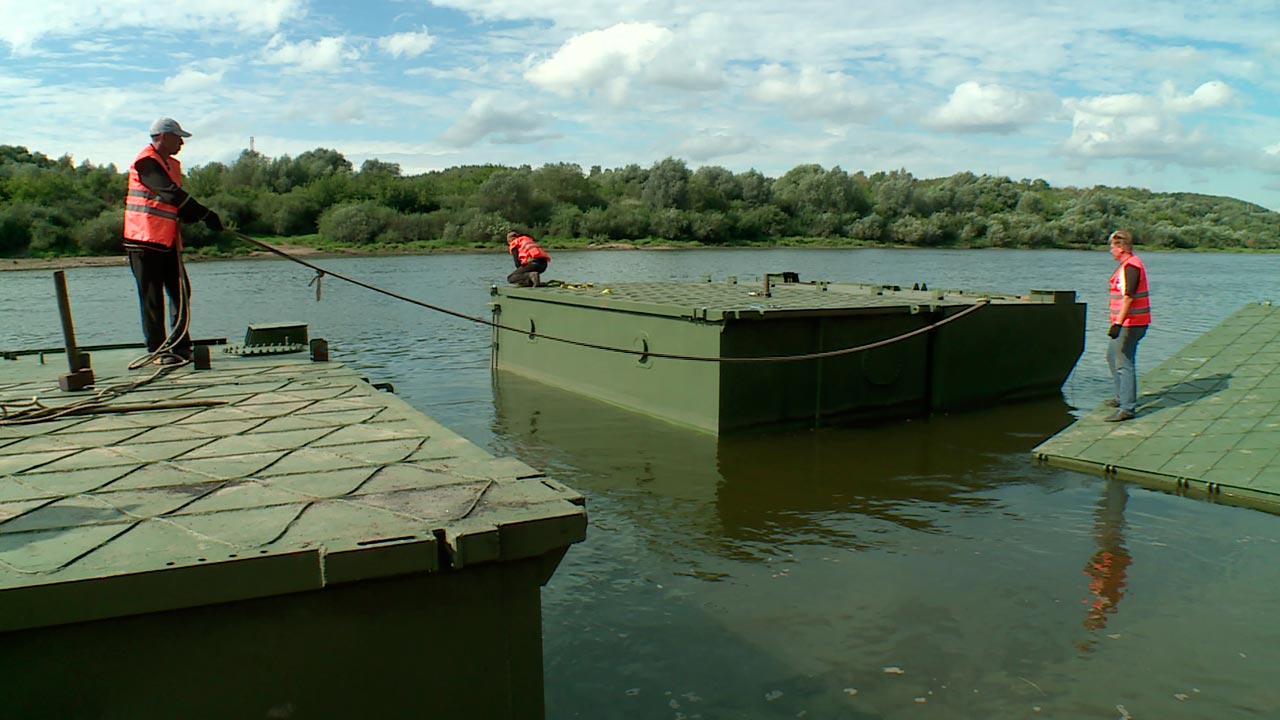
[(213, 222), (1113, 332)]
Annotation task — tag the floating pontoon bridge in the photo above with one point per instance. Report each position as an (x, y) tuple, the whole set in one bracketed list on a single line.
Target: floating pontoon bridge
[(723, 356), (1208, 419)]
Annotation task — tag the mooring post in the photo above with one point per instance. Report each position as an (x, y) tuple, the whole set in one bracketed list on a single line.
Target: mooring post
[(81, 375)]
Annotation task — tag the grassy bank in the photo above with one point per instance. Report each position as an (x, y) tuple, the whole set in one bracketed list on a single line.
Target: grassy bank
[(316, 246)]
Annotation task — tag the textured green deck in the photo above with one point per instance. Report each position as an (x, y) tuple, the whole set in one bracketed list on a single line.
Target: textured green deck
[(722, 300), (306, 477), (1208, 419)]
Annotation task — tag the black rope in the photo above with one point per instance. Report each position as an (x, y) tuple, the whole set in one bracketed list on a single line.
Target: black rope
[(628, 351)]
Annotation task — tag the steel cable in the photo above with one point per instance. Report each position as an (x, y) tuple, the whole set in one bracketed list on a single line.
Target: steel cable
[(609, 348)]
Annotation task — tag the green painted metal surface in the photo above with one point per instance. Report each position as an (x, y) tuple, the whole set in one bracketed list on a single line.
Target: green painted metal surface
[(1038, 336), (302, 477), (1006, 351), (1208, 419), (281, 333), (442, 645)]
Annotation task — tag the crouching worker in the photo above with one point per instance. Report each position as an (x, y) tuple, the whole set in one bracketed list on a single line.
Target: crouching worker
[(531, 260)]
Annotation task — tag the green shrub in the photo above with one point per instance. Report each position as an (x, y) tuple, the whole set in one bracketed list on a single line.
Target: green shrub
[(670, 224), (566, 221), (758, 223), (294, 213), (237, 211), (103, 235), (477, 227), (712, 227), (358, 223), (418, 227), (871, 228), (32, 229)]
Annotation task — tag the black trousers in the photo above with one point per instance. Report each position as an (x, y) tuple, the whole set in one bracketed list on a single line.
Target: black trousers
[(520, 276), (158, 274)]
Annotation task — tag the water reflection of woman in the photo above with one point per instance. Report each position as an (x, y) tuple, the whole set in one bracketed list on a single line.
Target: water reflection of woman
[(1108, 567)]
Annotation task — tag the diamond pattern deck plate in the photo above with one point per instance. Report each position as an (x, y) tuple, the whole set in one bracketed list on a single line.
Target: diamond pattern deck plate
[(719, 298), (1208, 419), (298, 462)]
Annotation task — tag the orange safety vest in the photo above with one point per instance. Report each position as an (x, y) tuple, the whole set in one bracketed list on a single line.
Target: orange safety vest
[(1140, 309), (148, 220), (526, 249)]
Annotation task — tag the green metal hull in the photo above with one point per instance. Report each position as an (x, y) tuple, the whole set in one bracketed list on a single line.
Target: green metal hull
[(452, 645), (1013, 347)]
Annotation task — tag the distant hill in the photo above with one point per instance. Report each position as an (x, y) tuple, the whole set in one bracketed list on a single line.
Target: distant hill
[(51, 207)]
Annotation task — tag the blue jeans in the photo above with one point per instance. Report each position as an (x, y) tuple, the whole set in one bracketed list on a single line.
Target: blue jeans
[(1122, 356)]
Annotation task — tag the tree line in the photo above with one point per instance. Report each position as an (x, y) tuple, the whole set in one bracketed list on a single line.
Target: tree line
[(51, 207)]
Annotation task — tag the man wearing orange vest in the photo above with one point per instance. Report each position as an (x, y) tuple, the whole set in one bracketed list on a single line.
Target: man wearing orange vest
[(531, 260), (1130, 311), (154, 204)]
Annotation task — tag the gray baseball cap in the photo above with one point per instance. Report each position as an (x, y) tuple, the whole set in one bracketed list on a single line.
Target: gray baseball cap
[(168, 125)]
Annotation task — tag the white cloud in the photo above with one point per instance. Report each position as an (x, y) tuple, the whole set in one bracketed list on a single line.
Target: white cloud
[(1213, 94), (12, 85), (407, 44), (606, 61), (974, 107), (1148, 127), (192, 81), (1269, 161), (810, 93), (868, 86), (508, 123), (694, 59), (24, 24), (566, 13), (1115, 135), (1116, 105), (322, 55), (350, 110), (709, 144)]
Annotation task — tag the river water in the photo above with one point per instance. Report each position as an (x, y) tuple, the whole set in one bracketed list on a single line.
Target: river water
[(922, 569)]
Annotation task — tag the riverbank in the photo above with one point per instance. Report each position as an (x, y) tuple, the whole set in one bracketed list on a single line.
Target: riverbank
[(302, 251), (65, 263), (310, 252)]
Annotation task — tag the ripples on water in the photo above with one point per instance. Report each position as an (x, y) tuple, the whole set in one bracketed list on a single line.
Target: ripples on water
[(781, 574)]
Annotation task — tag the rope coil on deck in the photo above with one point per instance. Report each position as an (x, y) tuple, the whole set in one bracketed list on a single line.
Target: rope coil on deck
[(33, 411), (320, 272)]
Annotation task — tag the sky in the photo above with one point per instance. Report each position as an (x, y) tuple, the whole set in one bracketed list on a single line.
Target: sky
[(1169, 96)]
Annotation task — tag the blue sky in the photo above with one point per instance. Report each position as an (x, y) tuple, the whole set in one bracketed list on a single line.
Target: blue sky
[(1170, 96)]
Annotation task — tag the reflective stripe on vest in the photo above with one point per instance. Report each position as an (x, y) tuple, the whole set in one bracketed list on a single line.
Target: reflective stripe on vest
[(1140, 308), (148, 219), (526, 249)]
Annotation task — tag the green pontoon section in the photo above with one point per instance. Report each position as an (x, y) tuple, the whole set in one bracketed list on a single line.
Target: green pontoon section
[(1208, 419), (1012, 347), (271, 535)]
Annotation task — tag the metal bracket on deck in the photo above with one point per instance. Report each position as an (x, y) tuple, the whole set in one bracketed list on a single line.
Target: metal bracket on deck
[(786, 277)]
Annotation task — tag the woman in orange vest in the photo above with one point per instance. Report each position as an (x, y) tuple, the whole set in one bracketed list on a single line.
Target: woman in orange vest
[(531, 260), (1130, 312), (154, 204)]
